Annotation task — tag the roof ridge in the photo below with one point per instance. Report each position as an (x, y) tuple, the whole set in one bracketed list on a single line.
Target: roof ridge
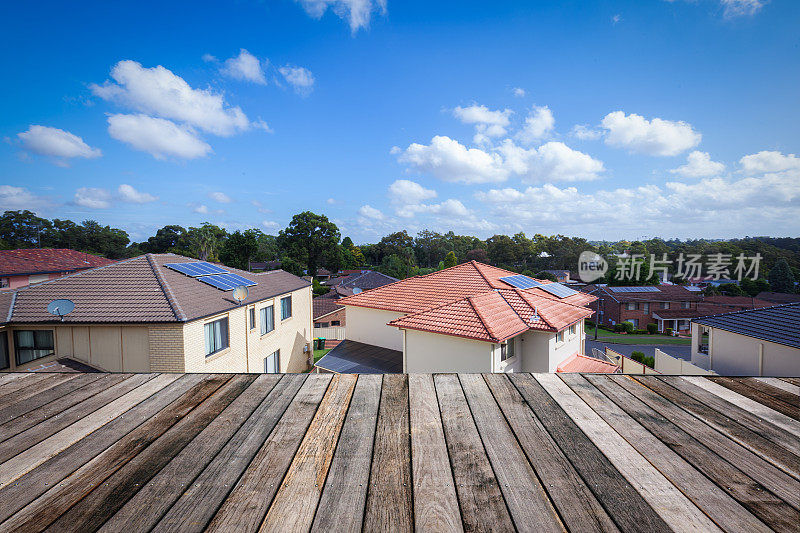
[(166, 289), (524, 295), (512, 307), (480, 317), (740, 311), (11, 306)]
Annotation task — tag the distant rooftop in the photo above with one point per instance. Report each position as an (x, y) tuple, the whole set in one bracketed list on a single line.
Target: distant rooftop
[(46, 261), (779, 324)]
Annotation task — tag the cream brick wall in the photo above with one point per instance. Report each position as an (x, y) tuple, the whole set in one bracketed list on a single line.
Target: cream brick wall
[(166, 348)]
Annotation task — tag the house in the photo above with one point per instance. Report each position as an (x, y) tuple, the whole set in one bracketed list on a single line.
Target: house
[(562, 276), (468, 318), (709, 305), (665, 305), (19, 268), (753, 342), (328, 312), (161, 313), (253, 266), (778, 297)]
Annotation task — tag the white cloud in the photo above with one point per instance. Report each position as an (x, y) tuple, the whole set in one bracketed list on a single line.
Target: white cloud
[(330, 201), (57, 143), (488, 123), (356, 12), (768, 161), (738, 8), (15, 198), (409, 192), (519, 92), (201, 209), (449, 160), (300, 78), (245, 67), (552, 161), (93, 198), (370, 213), (157, 91), (208, 58), (159, 137), (220, 197), (269, 224), (699, 165), (128, 194), (585, 133), (653, 137), (538, 125)]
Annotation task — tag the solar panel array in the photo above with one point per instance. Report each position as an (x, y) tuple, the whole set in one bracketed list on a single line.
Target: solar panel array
[(196, 269), (557, 289), (227, 282), (634, 289), (694, 289), (521, 282)]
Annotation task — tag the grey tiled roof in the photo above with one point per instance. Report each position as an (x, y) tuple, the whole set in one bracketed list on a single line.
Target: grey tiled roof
[(779, 324)]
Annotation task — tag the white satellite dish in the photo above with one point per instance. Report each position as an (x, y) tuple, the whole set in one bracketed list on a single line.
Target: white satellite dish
[(60, 308), (356, 290), (240, 293)]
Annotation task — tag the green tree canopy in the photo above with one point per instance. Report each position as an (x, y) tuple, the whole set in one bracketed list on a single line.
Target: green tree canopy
[(781, 278), (311, 239), (239, 248)]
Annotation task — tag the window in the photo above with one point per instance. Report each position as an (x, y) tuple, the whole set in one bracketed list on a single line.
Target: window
[(4, 282), (646, 307), (634, 321), (4, 359), (632, 306), (573, 329), (664, 305), (267, 319), (560, 336), (286, 307), (336, 323), (272, 362), (507, 350), (252, 318), (685, 305), (30, 345), (216, 336)]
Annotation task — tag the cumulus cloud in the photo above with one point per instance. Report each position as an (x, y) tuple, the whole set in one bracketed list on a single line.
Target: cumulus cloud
[(409, 192), (244, 67), (449, 160), (158, 91), (356, 12), (93, 198), (370, 213), (739, 8), (128, 194), (768, 161), (270, 224), (159, 137), (552, 161), (200, 209), (15, 198), (54, 142), (519, 92), (656, 137), (488, 123), (585, 133), (220, 197), (300, 78), (330, 201), (538, 125), (699, 165)]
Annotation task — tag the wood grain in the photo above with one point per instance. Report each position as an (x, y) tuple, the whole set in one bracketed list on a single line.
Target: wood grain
[(757, 394)]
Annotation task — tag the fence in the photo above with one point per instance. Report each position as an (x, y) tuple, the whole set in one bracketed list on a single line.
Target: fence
[(666, 364), (333, 332)]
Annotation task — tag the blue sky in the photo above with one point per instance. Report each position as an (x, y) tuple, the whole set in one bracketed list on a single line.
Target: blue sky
[(598, 119)]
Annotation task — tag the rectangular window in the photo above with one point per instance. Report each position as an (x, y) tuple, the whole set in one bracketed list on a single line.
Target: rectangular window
[(216, 335), (272, 363), (507, 350), (573, 329), (646, 307), (336, 323), (34, 344), (267, 319), (4, 359), (634, 321), (632, 306), (664, 305), (685, 305), (252, 318), (560, 336), (317, 324), (286, 307)]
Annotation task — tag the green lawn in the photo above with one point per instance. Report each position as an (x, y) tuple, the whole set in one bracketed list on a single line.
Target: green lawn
[(319, 353), (608, 336)]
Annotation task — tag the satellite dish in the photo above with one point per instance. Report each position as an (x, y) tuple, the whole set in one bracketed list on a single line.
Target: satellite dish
[(60, 308), (240, 293), (356, 291)]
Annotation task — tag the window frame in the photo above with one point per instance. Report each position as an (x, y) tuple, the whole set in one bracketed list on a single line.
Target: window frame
[(263, 323), (252, 317), (504, 349), (632, 306), (34, 348), (277, 354), (283, 308), (573, 329), (336, 323), (225, 339), (4, 349), (560, 336)]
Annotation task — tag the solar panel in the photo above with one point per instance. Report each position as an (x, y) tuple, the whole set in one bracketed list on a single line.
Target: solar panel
[(196, 269), (521, 282), (694, 289), (634, 289), (557, 289), (227, 281)]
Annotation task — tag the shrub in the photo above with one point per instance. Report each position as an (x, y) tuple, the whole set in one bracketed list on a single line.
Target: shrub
[(589, 323), (607, 327), (652, 329), (638, 356), (640, 332), (668, 331), (628, 327), (650, 361), (619, 328)]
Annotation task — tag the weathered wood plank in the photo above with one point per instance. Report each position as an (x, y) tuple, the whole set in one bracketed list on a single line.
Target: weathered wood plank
[(296, 501), (106, 499), (774, 479), (246, 506), (9, 377), (149, 504), (776, 392), (434, 495), (36, 455), (527, 501), (50, 426), (725, 511), (578, 507), (389, 498), (482, 504), (777, 455), (758, 409), (739, 386), (47, 396), (793, 381), (23, 380), (181, 400), (24, 490), (753, 496), (743, 416), (31, 387), (781, 384), (622, 501), (341, 506)]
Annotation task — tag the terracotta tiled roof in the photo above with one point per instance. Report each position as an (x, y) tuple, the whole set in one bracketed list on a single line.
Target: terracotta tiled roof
[(584, 363), (665, 293), (137, 290), (46, 260)]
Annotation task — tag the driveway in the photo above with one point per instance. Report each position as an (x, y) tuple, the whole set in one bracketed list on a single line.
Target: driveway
[(679, 351)]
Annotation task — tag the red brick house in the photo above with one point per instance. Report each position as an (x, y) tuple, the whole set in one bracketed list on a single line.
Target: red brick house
[(644, 305), (19, 268)]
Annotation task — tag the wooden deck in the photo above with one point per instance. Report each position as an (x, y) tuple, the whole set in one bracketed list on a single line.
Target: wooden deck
[(444, 452)]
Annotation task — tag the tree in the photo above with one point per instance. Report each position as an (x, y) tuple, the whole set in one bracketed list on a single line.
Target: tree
[(167, 239), (781, 278), (754, 286), (22, 229), (311, 239), (545, 275), (238, 249), (205, 242), (502, 250), (450, 260), (478, 254)]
